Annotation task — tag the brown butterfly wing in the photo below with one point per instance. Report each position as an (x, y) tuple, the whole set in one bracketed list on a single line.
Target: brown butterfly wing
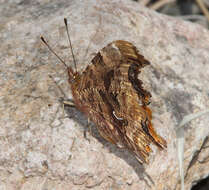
[(111, 95)]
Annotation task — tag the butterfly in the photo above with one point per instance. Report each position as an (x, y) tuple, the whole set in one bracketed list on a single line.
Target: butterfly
[(111, 95)]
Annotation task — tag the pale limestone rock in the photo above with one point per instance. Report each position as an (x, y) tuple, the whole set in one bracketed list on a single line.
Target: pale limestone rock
[(37, 142)]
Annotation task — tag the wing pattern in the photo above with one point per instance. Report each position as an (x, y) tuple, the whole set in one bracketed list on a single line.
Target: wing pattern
[(111, 95)]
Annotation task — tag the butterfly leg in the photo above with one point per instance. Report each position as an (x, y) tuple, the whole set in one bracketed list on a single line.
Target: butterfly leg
[(64, 100), (68, 102), (87, 129), (67, 105)]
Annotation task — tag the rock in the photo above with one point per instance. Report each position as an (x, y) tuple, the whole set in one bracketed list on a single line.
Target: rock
[(33, 121)]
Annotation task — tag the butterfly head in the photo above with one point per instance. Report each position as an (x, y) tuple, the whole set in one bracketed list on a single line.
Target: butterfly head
[(72, 75)]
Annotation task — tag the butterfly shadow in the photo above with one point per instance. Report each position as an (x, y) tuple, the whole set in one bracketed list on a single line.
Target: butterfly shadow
[(124, 154)]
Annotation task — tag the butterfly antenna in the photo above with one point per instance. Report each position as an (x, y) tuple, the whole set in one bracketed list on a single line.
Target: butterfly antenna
[(68, 34), (44, 41)]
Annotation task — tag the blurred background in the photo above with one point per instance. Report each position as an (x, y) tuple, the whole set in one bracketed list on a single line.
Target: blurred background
[(191, 10)]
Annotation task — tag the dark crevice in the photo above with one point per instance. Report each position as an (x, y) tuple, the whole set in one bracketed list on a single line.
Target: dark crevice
[(202, 185)]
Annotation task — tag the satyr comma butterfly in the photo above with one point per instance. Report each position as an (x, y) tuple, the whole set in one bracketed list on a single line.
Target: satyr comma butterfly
[(111, 95)]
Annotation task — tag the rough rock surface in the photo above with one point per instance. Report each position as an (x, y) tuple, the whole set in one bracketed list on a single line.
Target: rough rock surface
[(42, 147)]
